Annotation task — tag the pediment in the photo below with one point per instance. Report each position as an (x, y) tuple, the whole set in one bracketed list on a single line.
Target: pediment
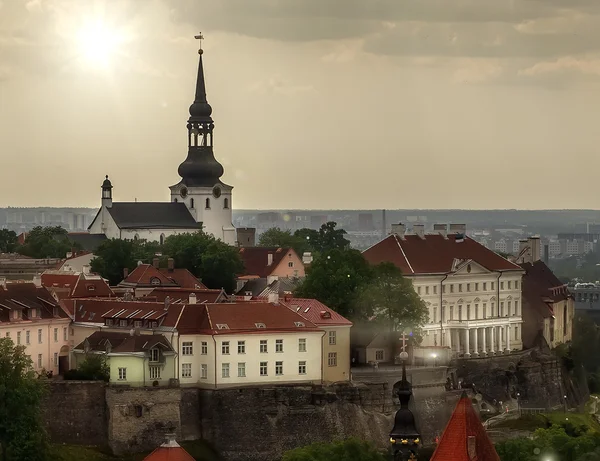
[(477, 300), (468, 266)]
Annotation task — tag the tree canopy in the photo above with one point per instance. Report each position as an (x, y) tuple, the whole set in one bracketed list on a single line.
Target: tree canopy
[(303, 240), (8, 241), (47, 242), (347, 450), (22, 434), (92, 368)]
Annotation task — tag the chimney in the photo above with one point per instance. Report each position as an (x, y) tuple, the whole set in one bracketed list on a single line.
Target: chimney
[(546, 253), (125, 273), (170, 441), (399, 230), (86, 269), (534, 245), (270, 259), (419, 229), (155, 262), (171, 264), (383, 225), (167, 303), (287, 296), (37, 280), (193, 299), (3, 282), (273, 298), (441, 229), (458, 229), (69, 254)]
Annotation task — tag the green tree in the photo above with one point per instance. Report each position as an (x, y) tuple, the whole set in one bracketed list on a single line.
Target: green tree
[(329, 238), (334, 278), (300, 240), (8, 241), (22, 434), (347, 450), (92, 368), (47, 242), (391, 300), (214, 262)]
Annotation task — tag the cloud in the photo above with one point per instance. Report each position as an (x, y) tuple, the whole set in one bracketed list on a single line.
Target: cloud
[(278, 85)]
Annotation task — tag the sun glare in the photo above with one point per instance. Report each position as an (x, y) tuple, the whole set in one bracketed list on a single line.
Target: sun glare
[(99, 44)]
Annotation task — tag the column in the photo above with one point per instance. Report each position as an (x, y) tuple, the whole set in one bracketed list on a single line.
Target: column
[(500, 348), (492, 348), (449, 339), (483, 345), (467, 348), (457, 333), (475, 346), (508, 337)]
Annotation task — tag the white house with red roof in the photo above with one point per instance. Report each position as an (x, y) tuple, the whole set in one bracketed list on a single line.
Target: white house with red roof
[(336, 341), (472, 293), (146, 277)]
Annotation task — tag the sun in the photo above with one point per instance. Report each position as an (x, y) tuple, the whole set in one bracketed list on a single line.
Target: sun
[(99, 43)]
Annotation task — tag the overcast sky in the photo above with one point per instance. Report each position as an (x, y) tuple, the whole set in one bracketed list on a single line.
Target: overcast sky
[(317, 103)]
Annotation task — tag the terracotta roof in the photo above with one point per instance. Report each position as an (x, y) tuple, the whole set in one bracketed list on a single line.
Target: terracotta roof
[(145, 275), (242, 317), (178, 295), (465, 438), (76, 285), (183, 278), (91, 287), (123, 342), (316, 312), (434, 254), (170, 451), (256, 259), (25, 296)]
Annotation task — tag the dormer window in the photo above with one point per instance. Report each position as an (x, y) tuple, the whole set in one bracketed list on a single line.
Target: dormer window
[(55, 311), (123, 323), (91, 288), (17, 314), (299, 324), (155, 281), (154, 355), (108, 322), (222, 326), (32, 313), (260, 325)]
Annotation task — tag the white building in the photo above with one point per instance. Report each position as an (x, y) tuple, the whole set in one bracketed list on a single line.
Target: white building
[(473, 294), (200, 200)]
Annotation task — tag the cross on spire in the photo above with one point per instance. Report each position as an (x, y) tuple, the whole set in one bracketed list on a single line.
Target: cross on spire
[(403, 338), (199, 37)]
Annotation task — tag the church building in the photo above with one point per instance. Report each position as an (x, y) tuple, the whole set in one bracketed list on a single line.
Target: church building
[(199, 201)]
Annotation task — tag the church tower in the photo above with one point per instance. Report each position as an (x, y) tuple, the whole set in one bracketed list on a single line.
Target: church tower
[(207, 198)]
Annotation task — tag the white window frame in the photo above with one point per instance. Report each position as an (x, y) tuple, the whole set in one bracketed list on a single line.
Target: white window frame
[(204, 371), (301, 344), (332, 338), (154, 355), (279, 345), (204, 348), (241, 369), (154, 372), (122, 374), (264, 346), (187, 348), (264, 367), (225, 348), (332, 359), (279, 368), (186, 370), (225, 370), (241, 347), (302, 367)]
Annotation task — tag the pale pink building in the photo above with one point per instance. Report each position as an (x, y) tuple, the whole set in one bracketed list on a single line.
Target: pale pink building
[(31, 317)]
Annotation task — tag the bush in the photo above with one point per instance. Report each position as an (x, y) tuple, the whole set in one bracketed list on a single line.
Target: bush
[(93, 368)]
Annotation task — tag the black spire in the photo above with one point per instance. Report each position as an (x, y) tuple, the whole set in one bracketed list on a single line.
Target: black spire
[(200, 168), (405, 437)]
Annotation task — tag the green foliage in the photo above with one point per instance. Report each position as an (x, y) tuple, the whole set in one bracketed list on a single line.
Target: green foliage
[(93, 368), (327, 238), (213, 261), (22, 434), (8, 241), (347, 450), (391, 300), (334, 279), (114, 255), (275, 237), (47, 242)]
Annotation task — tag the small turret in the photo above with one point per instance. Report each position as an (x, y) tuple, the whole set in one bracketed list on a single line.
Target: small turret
[(107, 193)]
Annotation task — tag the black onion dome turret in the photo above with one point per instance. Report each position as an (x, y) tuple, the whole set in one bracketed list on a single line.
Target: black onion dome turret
[(106, 184)]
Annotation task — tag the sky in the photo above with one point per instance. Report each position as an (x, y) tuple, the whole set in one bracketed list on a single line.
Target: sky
[(320, 104)]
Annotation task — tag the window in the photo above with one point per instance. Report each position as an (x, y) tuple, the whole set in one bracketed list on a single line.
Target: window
[(501, 313), (162, 236), (18, 338), (484, 286), (468, 287), (56, 359), (56, 335), (187, 348), (460, 287), (378, 356), (299, 324), (263, 346), (203, 371), (492, 310), (263, 368), (204, 348), (137, 323), (225, 348), (17, 314), (27, 338), (122, 374), (427, 290), (186, 370), (225, 370), (40, 336), (241, 347), (123, 323), (484, 310), (154, 324), (476, 311), (517, 308), (502, 285), (516, 284), (451, 312), (226, 203), (418, 290), (32, 313), (509, 307), (241, 370), (260, 325), (191, 203), (516, 332), (451, 288), (8, 334), (492, 284), (332, 359), (55, 311), (332, 338), (434, 314), (435, 289), (279, 345), (443, 288), (302, 367), (40, 359), (477, 287), (291, 264), (468, 312), (278, 368), (509, 284), (155, 372), (460, 313), (154, 355), (302, 345), (207, 204)]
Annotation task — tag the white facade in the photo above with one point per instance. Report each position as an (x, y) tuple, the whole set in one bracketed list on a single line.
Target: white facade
[(253, 359), (472, 310)]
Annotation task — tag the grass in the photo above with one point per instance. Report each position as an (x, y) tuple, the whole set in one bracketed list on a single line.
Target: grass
[(545, 420)]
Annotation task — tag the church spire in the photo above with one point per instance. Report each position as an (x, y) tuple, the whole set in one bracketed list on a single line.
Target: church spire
[(200, 168)]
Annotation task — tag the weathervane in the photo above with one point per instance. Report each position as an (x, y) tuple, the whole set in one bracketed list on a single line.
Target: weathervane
[(199, 37)]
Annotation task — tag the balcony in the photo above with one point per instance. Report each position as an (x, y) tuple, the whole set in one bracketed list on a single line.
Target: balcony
[(482, 323)]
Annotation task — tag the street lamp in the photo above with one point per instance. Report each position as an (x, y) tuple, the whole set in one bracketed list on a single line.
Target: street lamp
[(434, 356), (518, 404)]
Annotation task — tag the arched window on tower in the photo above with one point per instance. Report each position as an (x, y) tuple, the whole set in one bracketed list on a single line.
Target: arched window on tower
[(136, 237), (191, 203), (225, 203), (162, 239), (175, 200), (207, 204)]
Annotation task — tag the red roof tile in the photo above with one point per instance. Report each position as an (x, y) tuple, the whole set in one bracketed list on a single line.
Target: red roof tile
[(434, 254), (169, 451), (145, 275), (177, 295), (183, 278), (77, 285), (465, 438), (256, 259), (25, 296), (316, 312)]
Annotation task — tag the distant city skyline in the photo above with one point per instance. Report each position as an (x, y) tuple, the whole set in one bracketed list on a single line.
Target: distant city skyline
[(475, 104)]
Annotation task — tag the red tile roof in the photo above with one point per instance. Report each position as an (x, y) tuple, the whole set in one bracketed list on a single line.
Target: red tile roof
[(124, 342), (256, 259), (25, 296), (76, 285), (316, 312), (169, 451), (145, 275), (183, 278), (177, 295), (465, 438), (434, 254)]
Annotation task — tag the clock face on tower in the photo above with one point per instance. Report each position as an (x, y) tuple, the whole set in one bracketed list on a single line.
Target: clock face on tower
[(216, 192), (183, 192)]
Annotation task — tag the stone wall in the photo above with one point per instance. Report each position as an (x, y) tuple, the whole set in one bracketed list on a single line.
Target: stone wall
[(76, 412)]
